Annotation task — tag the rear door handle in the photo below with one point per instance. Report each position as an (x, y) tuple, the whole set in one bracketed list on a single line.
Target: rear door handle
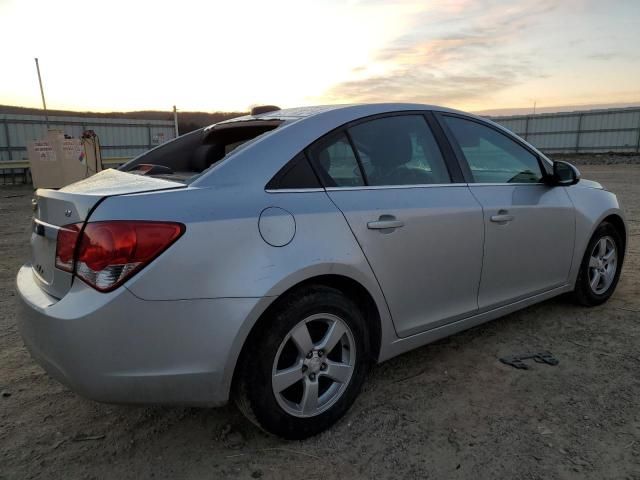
[(502, 217), (384, 222)]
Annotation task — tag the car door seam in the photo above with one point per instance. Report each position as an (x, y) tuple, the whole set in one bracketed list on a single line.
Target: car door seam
[(366, 259), (575, 235), (484, 243)]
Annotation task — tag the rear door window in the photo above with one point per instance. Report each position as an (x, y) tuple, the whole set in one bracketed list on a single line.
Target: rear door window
[(399, 150)]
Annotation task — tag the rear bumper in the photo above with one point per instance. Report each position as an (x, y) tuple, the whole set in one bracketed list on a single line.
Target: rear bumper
[(117, 348)]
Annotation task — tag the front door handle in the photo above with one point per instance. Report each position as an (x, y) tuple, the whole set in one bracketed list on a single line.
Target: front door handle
[(502, 217), (384, 222)]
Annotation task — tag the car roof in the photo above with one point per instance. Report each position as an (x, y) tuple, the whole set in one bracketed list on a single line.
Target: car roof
[(300, 128), (298, 113)]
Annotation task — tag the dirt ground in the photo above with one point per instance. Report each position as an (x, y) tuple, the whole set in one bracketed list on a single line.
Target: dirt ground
[(447, 410)]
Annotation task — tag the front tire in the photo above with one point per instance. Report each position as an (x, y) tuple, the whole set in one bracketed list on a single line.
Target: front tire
[(600, 267), (305, 364)]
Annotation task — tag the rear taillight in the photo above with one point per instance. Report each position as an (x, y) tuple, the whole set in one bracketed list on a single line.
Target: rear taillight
[(105, 254), (66, 246)]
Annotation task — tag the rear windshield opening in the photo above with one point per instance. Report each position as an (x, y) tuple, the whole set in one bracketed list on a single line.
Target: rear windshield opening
[(194, 152)]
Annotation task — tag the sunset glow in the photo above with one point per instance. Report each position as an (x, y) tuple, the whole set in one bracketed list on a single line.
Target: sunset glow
[(474, 55)]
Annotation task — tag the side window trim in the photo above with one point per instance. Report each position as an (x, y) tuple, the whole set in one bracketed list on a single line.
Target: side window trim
[(363, 174), (448, 154), (462, 161), (307, 153), (452, 154), (459, 155)]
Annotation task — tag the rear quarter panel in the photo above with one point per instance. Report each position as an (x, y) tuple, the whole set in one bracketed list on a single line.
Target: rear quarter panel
[(222, 253)]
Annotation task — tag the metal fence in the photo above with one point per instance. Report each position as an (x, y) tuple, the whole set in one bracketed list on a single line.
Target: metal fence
[(119, 137), (590, 131)]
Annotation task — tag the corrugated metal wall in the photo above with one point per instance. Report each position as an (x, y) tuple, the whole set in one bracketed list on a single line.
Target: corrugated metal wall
[(573, 132), (119, 137), (615, 129)]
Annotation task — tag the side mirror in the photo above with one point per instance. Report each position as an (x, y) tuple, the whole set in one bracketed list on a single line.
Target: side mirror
[(564, 174)]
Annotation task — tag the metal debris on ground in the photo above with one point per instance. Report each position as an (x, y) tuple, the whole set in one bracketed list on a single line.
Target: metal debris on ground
[(517, 361)]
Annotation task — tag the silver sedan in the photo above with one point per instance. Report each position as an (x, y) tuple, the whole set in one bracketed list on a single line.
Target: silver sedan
[(273, 258)]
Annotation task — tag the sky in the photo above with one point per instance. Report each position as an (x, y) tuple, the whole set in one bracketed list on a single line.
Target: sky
[(475, 55)]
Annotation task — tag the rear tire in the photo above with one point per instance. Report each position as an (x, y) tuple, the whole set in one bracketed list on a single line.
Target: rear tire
[(305, 365), (600, 267)]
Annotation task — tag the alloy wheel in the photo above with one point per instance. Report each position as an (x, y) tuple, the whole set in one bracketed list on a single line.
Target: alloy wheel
[(603, 264), (313, 365)]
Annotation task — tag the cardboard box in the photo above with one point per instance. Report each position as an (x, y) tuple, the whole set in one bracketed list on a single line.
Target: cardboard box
[(56, 161)]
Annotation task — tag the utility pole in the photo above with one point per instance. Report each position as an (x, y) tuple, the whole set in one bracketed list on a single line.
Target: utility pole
[(44, 104), (534, 106), (175, 120)]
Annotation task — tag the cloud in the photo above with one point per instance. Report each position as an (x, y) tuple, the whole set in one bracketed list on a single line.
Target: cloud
[(603, 56), (422, 86), (454, 53)]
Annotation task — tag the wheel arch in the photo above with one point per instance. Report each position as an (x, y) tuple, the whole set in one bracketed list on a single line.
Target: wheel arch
[(618, 223), (347, 285), (584, 293), (615, 219), (593, 207)]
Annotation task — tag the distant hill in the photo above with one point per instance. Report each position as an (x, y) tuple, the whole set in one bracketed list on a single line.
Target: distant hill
[(187, 121)]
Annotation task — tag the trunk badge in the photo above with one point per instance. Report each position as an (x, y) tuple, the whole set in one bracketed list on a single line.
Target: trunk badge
[(67, 213)]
